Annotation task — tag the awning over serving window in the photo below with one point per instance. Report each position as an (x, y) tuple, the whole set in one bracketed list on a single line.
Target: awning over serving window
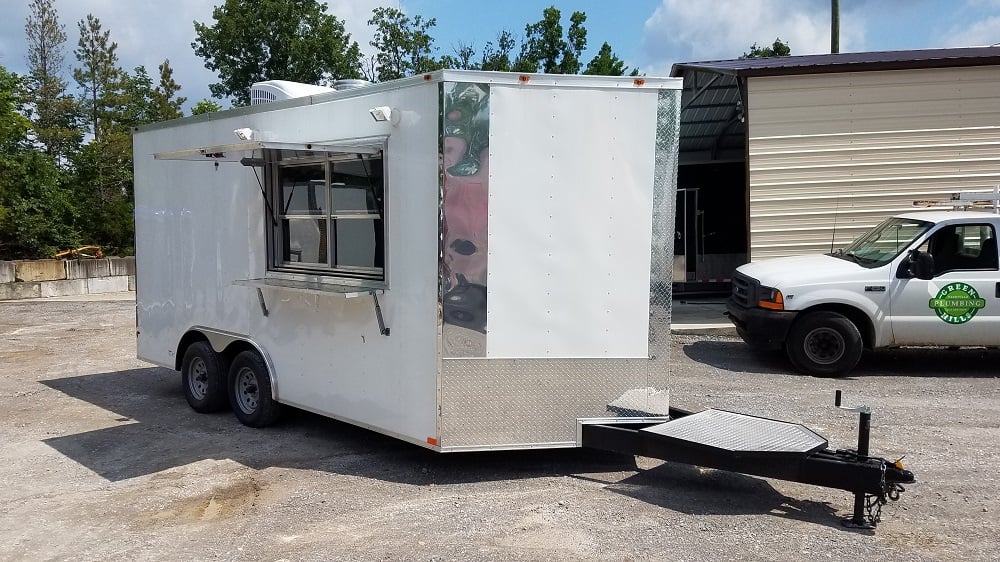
[(242, 150)]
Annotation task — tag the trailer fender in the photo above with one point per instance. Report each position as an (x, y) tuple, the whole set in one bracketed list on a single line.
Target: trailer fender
[(229, 343)]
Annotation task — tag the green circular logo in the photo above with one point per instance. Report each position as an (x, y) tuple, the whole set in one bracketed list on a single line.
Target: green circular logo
[(957, 303)]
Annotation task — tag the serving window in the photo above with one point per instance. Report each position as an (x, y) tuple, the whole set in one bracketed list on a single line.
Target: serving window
[(328, 214)]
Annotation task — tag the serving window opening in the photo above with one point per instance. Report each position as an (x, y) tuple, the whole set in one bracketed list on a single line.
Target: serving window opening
[(328, 214)]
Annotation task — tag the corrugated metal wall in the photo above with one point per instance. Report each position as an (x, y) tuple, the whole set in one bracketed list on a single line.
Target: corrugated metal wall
[(833, 154)]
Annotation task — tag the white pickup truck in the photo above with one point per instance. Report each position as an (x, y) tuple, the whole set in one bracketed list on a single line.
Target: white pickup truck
[(917, 279)]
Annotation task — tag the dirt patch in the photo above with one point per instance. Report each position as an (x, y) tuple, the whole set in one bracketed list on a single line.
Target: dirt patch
[(230, 500)]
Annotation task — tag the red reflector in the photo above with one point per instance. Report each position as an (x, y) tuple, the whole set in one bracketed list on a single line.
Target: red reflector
[(432, 441)]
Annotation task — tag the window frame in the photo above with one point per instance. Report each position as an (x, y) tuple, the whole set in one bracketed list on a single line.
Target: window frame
[(276, 160)]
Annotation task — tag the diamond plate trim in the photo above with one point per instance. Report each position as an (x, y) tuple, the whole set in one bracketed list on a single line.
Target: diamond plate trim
[(498, 402)]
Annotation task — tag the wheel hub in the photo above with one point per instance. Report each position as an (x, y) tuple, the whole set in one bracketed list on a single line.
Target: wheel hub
[(198, 380), (824, 346), (247, 391)]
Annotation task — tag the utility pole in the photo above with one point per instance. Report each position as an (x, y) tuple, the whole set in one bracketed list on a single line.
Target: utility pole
[(834, 26)]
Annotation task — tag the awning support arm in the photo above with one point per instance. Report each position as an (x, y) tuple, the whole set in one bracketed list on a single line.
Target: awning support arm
[(382, 329), (267, 202)]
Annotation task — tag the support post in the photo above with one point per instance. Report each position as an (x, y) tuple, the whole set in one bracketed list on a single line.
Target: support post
[(864, 441)]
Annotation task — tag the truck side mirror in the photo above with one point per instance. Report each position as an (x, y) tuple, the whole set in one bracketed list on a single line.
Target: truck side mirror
[(916, 264)]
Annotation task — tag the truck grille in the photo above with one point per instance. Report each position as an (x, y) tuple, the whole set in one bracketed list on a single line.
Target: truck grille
[(744, 289)]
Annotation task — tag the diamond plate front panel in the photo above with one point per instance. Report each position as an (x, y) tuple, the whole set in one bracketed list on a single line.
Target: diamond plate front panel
[(488, 403)]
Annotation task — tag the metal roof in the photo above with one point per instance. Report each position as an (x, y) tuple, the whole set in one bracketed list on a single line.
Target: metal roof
[(712, 118), (847, 62)]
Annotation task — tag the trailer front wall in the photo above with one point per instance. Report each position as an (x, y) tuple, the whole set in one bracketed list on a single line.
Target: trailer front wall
[(831, 155), (576, 277)]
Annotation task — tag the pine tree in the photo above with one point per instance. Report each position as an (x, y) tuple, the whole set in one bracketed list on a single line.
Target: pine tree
[(167, 106), (99, 76), (54, 113)]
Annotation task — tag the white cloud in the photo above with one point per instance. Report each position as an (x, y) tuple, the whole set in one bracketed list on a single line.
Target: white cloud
[(981, 33), (682, 30)]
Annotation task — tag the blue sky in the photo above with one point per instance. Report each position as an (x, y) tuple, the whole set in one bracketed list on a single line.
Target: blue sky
[(648, 34)]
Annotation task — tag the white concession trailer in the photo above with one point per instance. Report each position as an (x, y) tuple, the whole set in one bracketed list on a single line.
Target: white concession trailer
[(463, 260)]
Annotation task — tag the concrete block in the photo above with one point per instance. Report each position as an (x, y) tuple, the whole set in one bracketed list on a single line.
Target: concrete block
[(131, 282), (6, 272), (97, 285), (64, 288), (122, 266), (39, 270), (12, 291), (84, 269)]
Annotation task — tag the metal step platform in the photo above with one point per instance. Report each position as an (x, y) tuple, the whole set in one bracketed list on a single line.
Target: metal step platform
[(738, 435)]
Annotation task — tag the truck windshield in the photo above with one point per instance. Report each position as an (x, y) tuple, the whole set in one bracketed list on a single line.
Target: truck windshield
[(883, 243)]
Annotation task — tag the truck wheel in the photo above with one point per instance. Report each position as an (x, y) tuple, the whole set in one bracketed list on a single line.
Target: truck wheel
[(824, 344), (203, 375), (250, 391)]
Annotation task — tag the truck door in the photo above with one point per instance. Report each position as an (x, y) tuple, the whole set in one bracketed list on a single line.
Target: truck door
[(961, 304)]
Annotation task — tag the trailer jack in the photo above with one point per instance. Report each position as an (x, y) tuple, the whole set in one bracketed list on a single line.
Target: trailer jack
[(758, 447), (868, 506)]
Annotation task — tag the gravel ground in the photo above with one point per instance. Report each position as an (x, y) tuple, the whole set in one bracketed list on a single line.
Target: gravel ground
[(102, 459)]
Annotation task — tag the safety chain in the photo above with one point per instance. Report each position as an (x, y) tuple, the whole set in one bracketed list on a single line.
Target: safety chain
[(874, 503)]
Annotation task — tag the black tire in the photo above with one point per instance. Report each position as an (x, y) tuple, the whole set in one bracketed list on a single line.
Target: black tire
[(203, 375), (250, 391), (824, 344)]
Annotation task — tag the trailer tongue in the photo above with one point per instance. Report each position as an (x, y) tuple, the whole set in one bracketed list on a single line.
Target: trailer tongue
[(761, 447)]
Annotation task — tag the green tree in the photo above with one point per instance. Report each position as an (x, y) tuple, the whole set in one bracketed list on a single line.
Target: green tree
[(99, 75), (117, 100), (498, 57), (776, 49), (166, 105), (205, 106), (403, 46), (606, 63), (462, 59), (137, 101), (254, 40), (54, 113), (36, 213), (544, 47)]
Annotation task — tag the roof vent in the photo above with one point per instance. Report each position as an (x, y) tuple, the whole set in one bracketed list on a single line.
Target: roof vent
[(350, 84), (274, 90)]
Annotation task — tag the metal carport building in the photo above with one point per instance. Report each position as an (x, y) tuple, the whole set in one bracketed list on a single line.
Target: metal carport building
[(791, 155)]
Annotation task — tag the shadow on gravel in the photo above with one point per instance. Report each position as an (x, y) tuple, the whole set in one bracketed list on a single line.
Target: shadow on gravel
[(701, 491), (158, 431), (904, 362), (736, 356)]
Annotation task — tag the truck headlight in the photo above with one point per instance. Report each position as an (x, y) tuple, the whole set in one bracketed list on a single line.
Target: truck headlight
[(770, 298)]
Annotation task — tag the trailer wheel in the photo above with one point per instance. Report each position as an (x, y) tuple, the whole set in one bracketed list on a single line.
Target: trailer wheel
[(824, 344), (203, 375), (250, 391)]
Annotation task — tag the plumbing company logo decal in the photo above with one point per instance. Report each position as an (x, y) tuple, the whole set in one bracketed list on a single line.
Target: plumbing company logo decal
[(957, 303)]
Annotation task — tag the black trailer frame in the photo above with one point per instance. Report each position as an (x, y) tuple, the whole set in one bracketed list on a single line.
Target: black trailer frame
[(764, 447)]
